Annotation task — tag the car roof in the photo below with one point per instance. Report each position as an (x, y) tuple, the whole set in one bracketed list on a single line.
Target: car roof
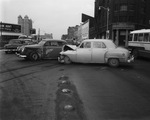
[(96, 40), (20, 39), (53, 40)]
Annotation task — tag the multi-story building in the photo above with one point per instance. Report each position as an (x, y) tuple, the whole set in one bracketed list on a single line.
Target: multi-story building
[(119, 17), (26, 25), (72, 32)]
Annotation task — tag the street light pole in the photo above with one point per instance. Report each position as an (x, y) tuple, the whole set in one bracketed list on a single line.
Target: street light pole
[(107, 9)]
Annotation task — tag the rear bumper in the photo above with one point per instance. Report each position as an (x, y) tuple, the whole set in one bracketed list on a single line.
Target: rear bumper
[(130, 59)]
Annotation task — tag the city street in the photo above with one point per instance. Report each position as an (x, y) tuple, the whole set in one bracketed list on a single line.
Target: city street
[(30, 90)]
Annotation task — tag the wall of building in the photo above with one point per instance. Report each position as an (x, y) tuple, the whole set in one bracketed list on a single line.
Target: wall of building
[(26, 25), (124, 16)]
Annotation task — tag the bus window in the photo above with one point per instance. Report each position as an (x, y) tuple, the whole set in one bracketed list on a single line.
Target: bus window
[(130, 37), (146, 37), (135, 37), (140, 37), (140, 46)]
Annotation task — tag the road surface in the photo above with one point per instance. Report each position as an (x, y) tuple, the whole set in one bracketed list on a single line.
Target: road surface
[(28, 90)]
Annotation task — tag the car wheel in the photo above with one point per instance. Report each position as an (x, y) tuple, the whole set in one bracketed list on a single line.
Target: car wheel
[(67, 60), (135, 53), (113, 62), (34, 56)]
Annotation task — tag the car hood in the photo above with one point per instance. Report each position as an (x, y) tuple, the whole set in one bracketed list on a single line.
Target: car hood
[(121, 49), (33, 46), (69, 47), (11, 45)]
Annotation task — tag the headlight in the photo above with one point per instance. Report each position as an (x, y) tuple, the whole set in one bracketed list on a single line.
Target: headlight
[(22, 50)]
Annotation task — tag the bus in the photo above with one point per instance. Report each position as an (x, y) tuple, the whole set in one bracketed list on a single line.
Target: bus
[(139, 43)]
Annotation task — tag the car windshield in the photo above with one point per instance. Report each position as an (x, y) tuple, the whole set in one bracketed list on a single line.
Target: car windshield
[(42, 42)]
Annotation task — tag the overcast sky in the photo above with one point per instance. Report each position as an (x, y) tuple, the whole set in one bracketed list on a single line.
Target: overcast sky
[(51, 16)]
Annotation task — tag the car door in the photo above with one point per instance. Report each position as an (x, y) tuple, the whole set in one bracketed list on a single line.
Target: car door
[(84, 52), (98, 52), (52, 49), (57, 47), (47, 49)]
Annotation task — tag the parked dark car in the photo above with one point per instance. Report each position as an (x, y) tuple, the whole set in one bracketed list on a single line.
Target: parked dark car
[(45, 49), (14, 43)]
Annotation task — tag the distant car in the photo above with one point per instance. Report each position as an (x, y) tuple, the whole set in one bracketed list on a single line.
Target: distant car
[(14, 43), (45, 49), (95, 51)]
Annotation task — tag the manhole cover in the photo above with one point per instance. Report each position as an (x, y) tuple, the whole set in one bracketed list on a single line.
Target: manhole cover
[(68, 107), (66, 91)]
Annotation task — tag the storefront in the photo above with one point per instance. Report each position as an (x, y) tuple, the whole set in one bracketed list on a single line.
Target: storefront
[(120, 33), (9, 31)]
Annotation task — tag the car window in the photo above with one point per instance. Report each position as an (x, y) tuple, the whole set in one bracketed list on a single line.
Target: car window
[(96, 44), (85, 45), (99, 45), (103, 45), (47, 44), (53, 43), (61, 43), (81, 46)]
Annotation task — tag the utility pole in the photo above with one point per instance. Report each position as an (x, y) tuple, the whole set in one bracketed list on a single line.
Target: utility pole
[(107, 24), (1, 30)]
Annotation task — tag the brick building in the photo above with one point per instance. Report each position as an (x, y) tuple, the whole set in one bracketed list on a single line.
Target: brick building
[(124, 16)]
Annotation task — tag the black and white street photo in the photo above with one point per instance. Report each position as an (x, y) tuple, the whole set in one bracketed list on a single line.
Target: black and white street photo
[(74, 60)]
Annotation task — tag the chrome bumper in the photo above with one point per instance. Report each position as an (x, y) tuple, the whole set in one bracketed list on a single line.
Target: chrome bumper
[(60, 59), (131, 59), (22, 56)]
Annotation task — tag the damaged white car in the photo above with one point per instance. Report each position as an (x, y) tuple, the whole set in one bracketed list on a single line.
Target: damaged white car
[(95, 51)]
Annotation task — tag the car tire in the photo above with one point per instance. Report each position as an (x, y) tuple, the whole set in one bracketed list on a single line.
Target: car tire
[(135, 53), (34, 56), (67, 60), (113, 62)]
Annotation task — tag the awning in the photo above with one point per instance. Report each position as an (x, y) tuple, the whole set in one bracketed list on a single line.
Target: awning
[(10, 34)]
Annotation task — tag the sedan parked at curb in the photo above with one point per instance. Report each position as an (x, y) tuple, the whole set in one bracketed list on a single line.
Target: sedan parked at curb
[(95, 51), (45, 49)]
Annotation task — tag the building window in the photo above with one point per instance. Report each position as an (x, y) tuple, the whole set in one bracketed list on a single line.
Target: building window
[(131, 7), (116, 19), (116, 7), (142, 10), (123, 8), (131, 19), (123, 19)]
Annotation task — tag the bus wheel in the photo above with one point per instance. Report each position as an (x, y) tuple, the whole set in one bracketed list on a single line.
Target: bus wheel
[(135, 53)]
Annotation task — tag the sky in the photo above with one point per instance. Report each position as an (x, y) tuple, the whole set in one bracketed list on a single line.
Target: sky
[(50, 16)]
